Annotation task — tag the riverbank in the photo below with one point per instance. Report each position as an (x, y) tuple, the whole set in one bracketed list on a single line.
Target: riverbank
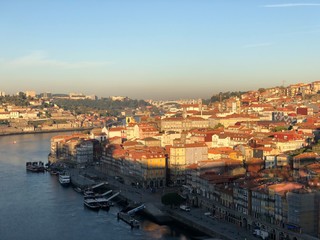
[(57, 211), (157, 212), (44, 131)]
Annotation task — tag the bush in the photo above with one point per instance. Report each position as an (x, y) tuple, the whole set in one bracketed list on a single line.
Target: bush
[(172, 199)]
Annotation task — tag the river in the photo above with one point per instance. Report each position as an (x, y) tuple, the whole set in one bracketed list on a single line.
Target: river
[(35, 206)]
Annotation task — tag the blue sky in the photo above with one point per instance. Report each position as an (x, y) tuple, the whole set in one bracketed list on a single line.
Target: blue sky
[(159, 49)]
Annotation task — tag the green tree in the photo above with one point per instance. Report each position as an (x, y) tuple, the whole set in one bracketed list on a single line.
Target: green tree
[(219, 125), (101, 105), (280, 128), (172, 199)]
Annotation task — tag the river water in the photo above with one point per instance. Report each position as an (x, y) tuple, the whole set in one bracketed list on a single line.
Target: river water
[(35, 206)]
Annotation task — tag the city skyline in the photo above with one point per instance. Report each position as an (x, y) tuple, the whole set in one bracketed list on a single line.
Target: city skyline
[(158, 50)]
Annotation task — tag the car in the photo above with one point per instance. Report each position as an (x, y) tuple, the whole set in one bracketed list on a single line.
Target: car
[(185, 208), (119, 179)]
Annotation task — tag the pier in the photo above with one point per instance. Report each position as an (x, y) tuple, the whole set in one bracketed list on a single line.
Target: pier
[(127, 216), (156, 211)]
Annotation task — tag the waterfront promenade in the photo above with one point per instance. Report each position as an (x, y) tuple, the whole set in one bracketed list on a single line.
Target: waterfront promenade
[(194, 219), (20, 132)]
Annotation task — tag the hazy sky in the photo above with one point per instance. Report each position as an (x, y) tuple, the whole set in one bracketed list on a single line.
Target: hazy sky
[(159, 49)]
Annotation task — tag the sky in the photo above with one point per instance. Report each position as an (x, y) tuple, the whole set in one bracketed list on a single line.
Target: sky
[(157, 49)]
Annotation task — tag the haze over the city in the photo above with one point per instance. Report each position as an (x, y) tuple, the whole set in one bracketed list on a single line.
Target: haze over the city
[(157, 49)]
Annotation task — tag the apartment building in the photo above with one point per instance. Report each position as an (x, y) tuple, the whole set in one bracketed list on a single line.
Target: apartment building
[(179, 124), (153, 170), (302, 212), (84, 151), (182, 155), (230, 120)]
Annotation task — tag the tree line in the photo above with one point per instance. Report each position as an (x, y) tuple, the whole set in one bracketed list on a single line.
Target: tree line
[(106, 105)]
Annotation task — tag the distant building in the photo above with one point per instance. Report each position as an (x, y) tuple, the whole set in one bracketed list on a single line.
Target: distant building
[(117, 98), (77, 96), (81, 96), (91, 97), (2, 94), (46, 95), (31, 94)]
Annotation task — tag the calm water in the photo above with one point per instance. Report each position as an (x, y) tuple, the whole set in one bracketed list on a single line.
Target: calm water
[(35, 206)]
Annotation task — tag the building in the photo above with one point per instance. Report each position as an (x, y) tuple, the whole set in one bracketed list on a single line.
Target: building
[(84, 152), (77, 96), (31, 94), (154, 170), (230, 120), (182, 155), (117, 98), (179, 124), (177, 164), (46, 95), (302, 214)]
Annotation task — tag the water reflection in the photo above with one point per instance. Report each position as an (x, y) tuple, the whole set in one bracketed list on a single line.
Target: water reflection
[(35, 206)]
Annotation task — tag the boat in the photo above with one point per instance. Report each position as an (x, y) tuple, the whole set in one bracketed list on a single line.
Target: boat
[(127, 218), (53, 172), (91, 203), (89, 193), (78, 189), (64, 179), (35, 166), (103, 202), (41, 167)]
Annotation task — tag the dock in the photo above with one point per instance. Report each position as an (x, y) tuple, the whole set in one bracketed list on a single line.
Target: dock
[(127, 216)]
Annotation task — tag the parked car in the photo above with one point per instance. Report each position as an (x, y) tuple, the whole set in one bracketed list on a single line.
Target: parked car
[(185, 208)]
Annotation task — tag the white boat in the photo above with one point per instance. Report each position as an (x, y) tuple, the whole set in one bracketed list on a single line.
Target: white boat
[(64, 179)]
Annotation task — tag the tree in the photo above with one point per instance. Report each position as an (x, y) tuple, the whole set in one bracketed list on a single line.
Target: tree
[(105, 104), (172, 199), (280, 128), (219, 125)]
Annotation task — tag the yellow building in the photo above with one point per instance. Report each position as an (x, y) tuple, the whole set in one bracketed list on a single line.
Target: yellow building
[(177, 164), (154, 170)]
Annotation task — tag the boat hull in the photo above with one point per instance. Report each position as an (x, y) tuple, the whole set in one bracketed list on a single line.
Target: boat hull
[(64, 180), (128, 219), (35, 166), (92, 205)]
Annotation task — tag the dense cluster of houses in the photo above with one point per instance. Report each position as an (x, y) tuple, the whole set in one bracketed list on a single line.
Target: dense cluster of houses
[(251, 159), (43, 115)]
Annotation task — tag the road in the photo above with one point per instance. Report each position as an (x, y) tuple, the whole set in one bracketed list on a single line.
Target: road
[(195, 216)]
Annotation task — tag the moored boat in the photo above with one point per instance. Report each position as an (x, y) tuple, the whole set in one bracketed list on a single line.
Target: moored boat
[(91, 203), (53, 172), (78, 189), (103, 202), (128, 219), (89, 193), (41, 167), (64, 179), (35, 166)]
